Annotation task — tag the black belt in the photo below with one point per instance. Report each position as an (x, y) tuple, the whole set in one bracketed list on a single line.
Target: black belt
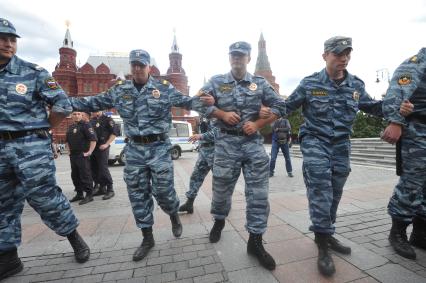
[(11, 135), (149, 138), (417, 119), (239, 133), (207, 144)]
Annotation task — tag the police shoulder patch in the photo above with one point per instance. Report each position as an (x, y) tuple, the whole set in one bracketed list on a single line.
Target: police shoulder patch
[(51, 83), (404, 79)]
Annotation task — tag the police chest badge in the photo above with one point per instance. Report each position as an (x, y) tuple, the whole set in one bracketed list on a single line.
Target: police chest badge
[(97, 125), (74, 131), (21, 88), (355, 95), (252, 86), (156, 93), (404, 79)]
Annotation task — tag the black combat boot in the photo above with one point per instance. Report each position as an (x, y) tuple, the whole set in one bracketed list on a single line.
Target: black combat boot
[(88, 198), (188, 206), (325, 261), (109, 193), (337, 246), (147, 244), (77, 197), (216, 231), (255, 247), (81, 249), (176, 225), (398, 239), (418, 236), (10, 263), (100, 190)]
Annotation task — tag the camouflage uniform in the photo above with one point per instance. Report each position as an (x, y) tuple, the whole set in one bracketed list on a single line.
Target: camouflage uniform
[(409, 82), (204, 162), (27, 169), (235, 151), (329, 111), (146, 115)]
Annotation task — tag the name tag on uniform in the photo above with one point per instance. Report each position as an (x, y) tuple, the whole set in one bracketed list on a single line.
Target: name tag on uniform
[(226, 88), (319, 92)]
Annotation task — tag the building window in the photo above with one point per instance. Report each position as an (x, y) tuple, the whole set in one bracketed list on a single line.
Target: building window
[(87, 87), (101, 87)]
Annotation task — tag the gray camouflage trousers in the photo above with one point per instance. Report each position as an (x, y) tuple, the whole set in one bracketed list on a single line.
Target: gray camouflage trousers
[(233, 154), (149, 172), (202, 167), (27, 172), (409, 196), (326, 168)]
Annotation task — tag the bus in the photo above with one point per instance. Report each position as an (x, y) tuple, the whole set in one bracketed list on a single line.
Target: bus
[(179, 134)]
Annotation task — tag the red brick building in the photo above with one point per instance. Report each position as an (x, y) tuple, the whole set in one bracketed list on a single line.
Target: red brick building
[(100, 72)]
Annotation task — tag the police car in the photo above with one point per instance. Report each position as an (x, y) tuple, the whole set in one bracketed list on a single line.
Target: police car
[(179, 134)]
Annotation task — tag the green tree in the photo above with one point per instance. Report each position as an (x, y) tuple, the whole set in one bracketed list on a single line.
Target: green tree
[(367, 126)]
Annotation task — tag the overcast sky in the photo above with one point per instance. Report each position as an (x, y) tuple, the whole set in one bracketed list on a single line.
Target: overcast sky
[(384, 33)]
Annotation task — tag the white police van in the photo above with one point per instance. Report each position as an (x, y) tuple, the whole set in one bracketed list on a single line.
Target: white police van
[(179, 134)]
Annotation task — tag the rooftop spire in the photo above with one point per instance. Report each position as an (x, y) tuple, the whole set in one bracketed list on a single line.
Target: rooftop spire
[(175, 47), (262, 63), (67, 40)]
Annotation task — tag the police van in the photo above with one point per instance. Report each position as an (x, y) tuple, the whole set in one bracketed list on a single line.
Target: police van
[(179, 134)]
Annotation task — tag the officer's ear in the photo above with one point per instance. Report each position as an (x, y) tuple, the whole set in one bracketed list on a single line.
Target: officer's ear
[(324, 55), (248, 59)]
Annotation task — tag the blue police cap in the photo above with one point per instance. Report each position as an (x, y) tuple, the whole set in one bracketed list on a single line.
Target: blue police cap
[(337, 44), (7, 27), (240, 47), (140, 56)]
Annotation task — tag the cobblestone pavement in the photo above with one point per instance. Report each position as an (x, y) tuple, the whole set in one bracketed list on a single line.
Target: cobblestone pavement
[(109, 228)]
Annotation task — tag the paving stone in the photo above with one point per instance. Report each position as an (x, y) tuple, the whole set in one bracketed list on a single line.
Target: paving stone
[(147, 271), (186, 256), (213, 277), (78, 272), (393, 273), (132, 280), (213, 268), (123, 274), (89, 278), (201, 261), (106, 268), (163, 277), (252, 275), (174, 266), (190, 272)]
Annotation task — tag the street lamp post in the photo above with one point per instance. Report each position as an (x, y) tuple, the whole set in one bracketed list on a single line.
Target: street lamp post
[(382, 74)]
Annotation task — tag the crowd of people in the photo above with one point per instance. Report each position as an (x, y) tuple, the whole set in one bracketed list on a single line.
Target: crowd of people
[(234, 106)]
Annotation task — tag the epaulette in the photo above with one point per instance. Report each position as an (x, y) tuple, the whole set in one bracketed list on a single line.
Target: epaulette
[(356, 78), (165, 82), (34, 66)]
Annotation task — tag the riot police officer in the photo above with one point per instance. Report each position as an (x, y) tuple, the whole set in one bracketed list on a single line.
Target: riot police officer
[(106, 132), (144, 103), (81, 141), (330, 100), (238, 146), (204, 162), (408, 202), (27, 168)]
